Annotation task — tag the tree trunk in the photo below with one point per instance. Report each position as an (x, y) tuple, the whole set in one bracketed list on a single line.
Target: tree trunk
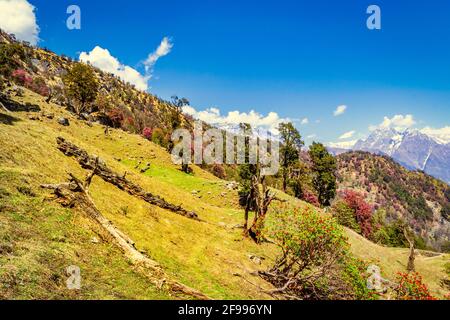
[(412, 254), (88, 162), (76, 193)]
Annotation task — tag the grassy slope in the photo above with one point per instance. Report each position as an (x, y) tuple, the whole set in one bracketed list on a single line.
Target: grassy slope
[(206, 256)]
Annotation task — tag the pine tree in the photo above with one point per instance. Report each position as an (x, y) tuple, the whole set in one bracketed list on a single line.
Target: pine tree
[(324, 177), (292, 143)]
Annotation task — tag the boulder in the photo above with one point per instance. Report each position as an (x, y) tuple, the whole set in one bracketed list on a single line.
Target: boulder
[(64, 121)]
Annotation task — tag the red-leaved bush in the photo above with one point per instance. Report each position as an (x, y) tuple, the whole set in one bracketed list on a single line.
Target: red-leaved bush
[(411, 287), (21, 77), (116, 116), (147, 133), (37, 85), (311, 198), (363, 210)]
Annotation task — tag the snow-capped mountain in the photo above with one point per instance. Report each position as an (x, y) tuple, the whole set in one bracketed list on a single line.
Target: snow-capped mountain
[(411, 148)]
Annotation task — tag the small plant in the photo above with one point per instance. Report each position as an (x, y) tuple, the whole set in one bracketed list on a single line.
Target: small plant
[(411, 287), (124, 211)]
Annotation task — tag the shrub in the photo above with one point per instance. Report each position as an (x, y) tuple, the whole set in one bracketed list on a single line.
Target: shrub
[(311, 198), (346, 216), (363, 211), (219, 171), (39, 86), (158, 137), (116, 116), (129, 125), (411, 287), (21, 77), (312, 248), (147, 133), (10, 57), (355, 273)]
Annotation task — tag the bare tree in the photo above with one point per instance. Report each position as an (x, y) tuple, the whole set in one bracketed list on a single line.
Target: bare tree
[(412, 254), (262, 198)]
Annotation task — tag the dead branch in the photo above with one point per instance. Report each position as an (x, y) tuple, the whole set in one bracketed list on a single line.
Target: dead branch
[(75, 194), (4, 108), (100, 169)]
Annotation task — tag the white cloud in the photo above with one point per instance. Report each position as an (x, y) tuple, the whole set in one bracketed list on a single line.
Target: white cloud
[(213, 116), (342, 144), (340, 110), (347, 135), (163, 49), (398, 122), (102, 59), (312, 136), (442, 135), (304, 121), (18, 17)]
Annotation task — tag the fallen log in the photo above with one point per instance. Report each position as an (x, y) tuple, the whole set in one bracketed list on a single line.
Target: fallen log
[(100, 169), (4, 108), (75, 194)]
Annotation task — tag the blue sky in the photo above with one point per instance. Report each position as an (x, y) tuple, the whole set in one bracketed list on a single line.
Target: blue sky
[(300, 59)]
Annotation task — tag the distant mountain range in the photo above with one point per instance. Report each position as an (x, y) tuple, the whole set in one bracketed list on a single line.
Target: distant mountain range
[(411, 148)]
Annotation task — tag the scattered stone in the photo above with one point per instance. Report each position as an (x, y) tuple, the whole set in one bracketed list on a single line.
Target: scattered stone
[(33, 117), (95, 240), (64, 122), (223, 194), (255, 259), (194, 192), (146, 168), (233, 185), (85, 116)]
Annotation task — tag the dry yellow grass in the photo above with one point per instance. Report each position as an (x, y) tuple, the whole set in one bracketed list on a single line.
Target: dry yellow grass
[(210, 256)]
